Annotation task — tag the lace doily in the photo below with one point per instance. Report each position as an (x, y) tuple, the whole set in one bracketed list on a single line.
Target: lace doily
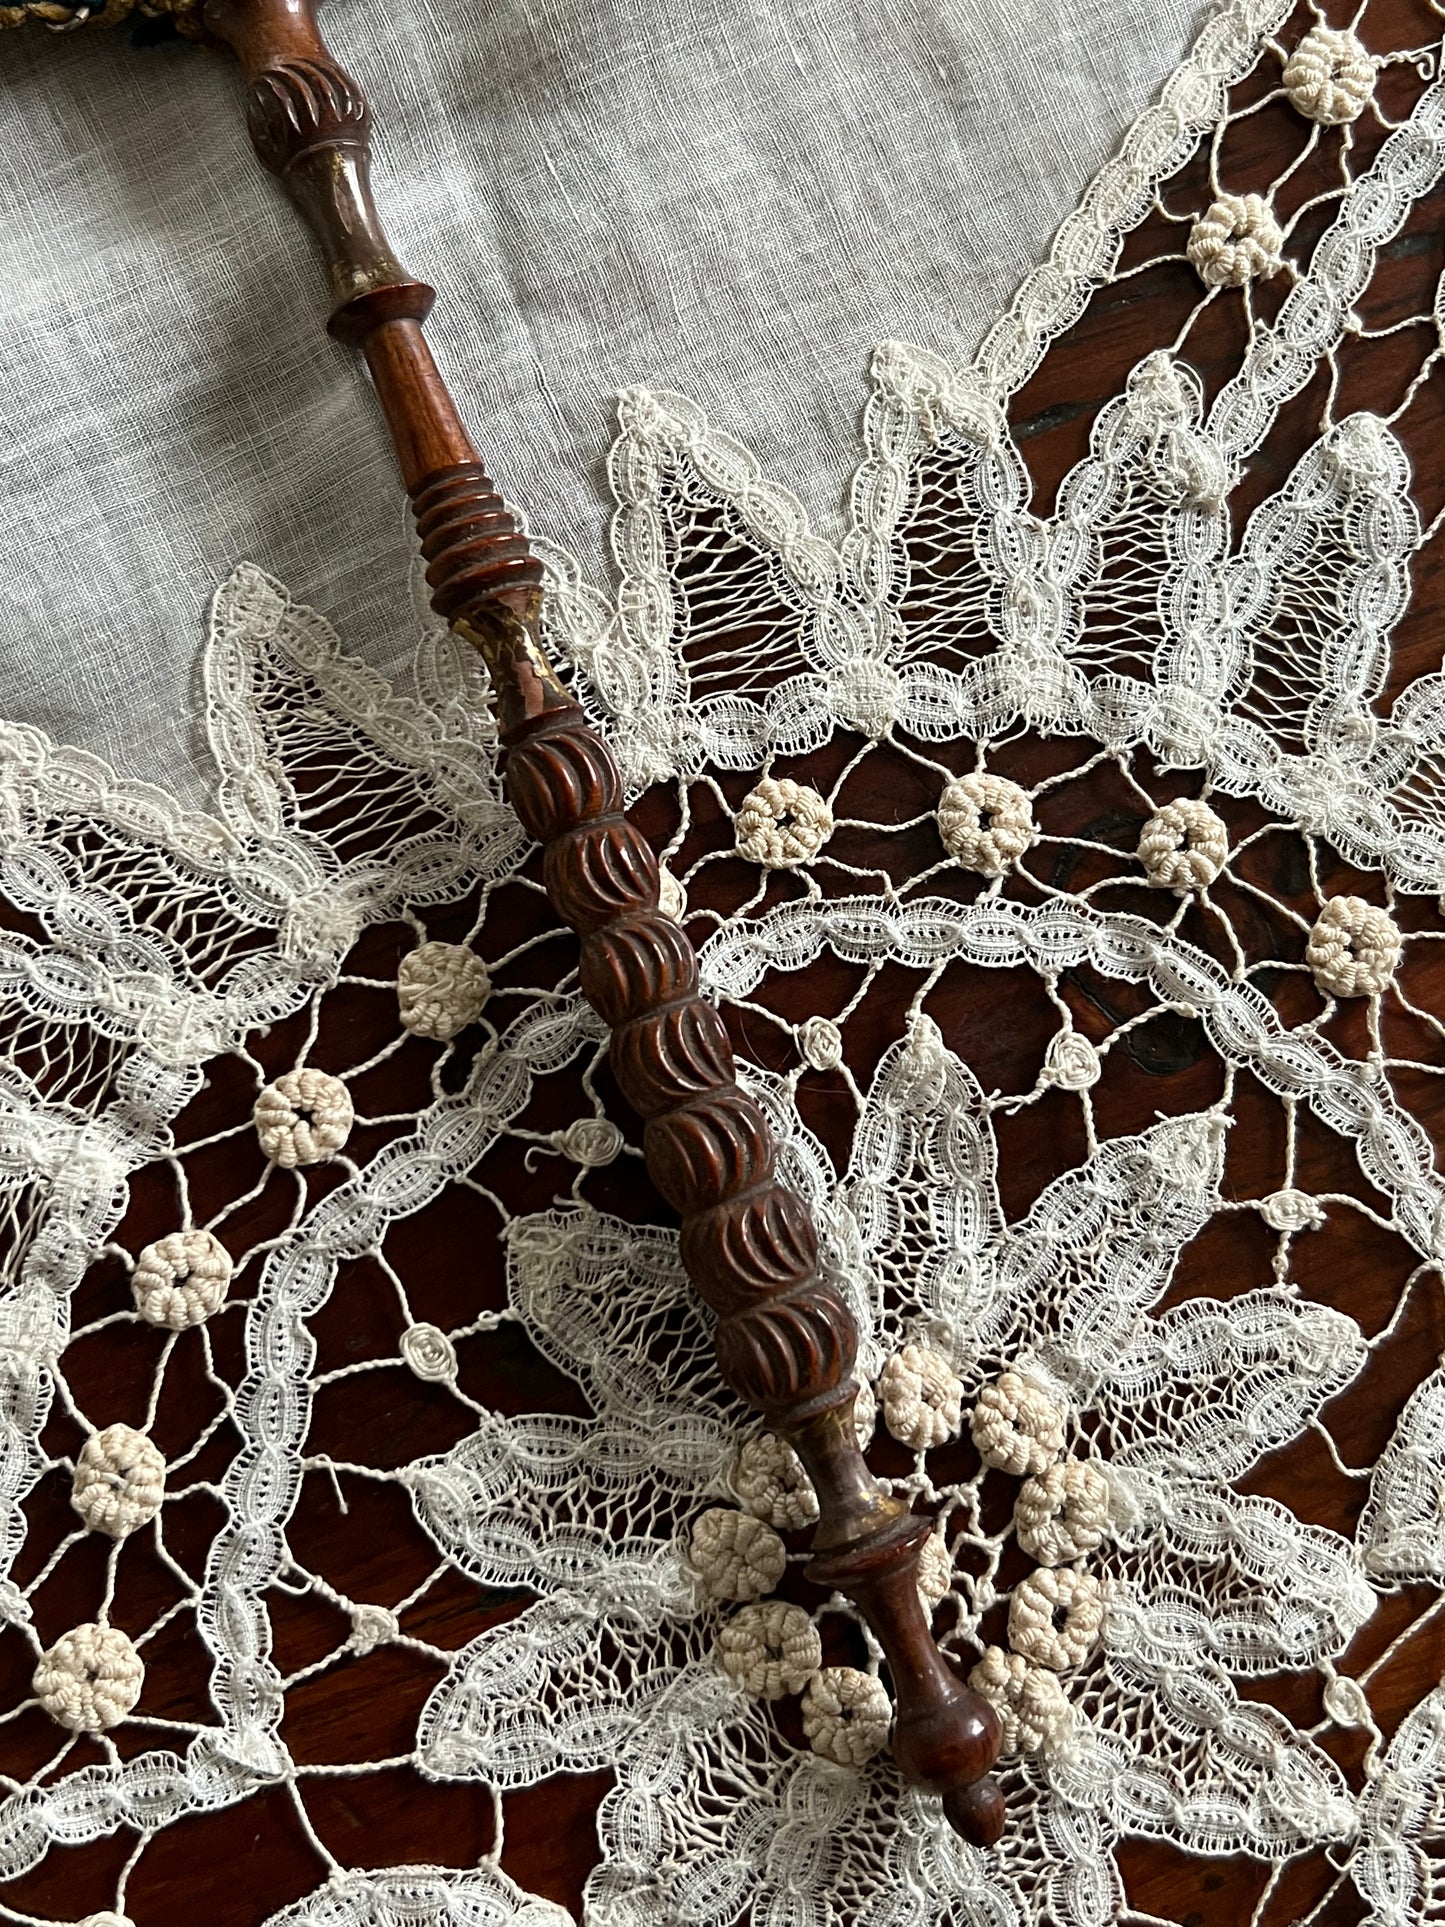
[(1055, 799)]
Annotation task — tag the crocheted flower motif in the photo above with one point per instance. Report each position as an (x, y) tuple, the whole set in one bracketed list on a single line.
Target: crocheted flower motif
[(1236, 240), (319, 927), (1291, 1210), (591, 1141), (1032, 1706), (372, 1626), (89, 1679), (303, 1118), (846, 1715), (1184, 846), (1016, 1427), (922, 1398), (1330, 77), (781, 824), (821, 1043), (1061, 1513), (1360, 458), (671, 897), (1071, 1061), (770, 1482), (429, 1353), (120, 1480), (1345, 1702), (1353, 948), (770, 1649), (866, 694), (1054, 1617), (181, 1279), (986, 822), (736, 1555), (440, 989)]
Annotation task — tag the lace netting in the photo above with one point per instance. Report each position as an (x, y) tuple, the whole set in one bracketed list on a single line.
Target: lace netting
[(1063, 847)]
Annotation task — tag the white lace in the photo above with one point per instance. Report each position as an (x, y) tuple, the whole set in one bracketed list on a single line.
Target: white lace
[(1159, 657)]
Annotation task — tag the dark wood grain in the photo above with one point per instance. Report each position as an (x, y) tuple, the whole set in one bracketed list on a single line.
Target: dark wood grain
[(785, 1340)]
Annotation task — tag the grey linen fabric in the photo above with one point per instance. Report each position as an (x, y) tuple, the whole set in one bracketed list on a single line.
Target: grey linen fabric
[(724, 197)]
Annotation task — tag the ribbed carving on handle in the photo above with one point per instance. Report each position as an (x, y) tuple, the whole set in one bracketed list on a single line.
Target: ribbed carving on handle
[(759, 1245), (300, 104), (785, 1340), (473, 544)]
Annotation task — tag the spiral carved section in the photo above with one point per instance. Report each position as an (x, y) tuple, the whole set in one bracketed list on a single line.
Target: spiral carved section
[(474, 546), (300, 104), (635, 966), (750, 1248), (599, 872), (559, 778), (786, 1350), (665, 1059), (716, 1147)]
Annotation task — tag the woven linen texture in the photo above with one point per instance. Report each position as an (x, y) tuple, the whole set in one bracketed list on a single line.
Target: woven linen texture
[(738, 201)]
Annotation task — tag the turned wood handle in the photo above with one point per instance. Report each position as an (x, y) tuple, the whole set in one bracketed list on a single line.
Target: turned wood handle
[(785, 1340)]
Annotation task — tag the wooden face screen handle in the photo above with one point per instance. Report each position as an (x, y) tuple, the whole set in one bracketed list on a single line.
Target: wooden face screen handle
[(785, 1340)]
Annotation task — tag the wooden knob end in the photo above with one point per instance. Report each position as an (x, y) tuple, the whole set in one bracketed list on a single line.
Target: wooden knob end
[(976, 1813), (946, 1738)]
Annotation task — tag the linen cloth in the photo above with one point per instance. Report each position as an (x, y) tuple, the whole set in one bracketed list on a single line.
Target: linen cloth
[(729, 199)]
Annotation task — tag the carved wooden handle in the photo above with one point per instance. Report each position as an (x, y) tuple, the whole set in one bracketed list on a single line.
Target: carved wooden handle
[(785, 1340)]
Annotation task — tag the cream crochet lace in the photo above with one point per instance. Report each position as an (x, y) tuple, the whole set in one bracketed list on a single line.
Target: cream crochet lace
[(1062, 1373)]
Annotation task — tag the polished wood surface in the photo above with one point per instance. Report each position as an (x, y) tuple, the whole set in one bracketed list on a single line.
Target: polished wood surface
[(785, 1340), (238, 1865)]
